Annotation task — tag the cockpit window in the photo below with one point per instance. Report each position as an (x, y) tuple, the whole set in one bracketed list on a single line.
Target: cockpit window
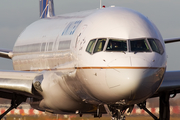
[(90, 46), (139, 46), (131, 45), (116, 45), (156, 46), (100, 45)]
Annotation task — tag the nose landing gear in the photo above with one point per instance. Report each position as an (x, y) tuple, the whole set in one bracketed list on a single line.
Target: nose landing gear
[(118, 115), (117, 111)]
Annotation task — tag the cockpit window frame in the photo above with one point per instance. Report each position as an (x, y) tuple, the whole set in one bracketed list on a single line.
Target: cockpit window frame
[(148, 45), (96, 43), (145, 39), (96, 40), (105, 48), (105, 45), (91, 52), (159, 45)]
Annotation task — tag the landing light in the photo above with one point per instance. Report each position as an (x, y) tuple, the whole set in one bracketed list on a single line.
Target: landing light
[(112, 5)]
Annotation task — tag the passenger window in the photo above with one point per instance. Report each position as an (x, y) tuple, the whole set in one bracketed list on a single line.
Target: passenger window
[(116, 45), (64, 45), (139, 46), (100, 45), (156, 46), (43, 46), (90, 46), (50, 46), (34, 48)]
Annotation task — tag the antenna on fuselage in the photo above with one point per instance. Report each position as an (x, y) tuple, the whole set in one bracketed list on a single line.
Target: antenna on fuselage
[(101, 5)]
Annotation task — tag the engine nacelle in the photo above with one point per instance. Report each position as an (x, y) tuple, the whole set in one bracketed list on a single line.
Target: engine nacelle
[(57, 97)]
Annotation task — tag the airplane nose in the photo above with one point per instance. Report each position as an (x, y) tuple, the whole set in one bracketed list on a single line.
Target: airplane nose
[(115, 72), (136, 81)]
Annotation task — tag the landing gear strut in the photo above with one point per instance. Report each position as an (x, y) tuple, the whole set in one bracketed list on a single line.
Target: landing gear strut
[(118, 115), (143, 106), (15, 102), (98, 114), (164, 111), (116, 111)]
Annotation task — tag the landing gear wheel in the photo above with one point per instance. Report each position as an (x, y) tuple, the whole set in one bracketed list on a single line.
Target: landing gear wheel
[(118, 115), (122, 117)]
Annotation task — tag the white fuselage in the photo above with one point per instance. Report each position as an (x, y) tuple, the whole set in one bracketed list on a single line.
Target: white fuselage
[(59, 45)]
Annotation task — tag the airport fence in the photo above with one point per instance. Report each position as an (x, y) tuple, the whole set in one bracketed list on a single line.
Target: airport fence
[(175, 110)]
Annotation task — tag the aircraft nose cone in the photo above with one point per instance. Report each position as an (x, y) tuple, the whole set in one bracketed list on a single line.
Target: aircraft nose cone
[(134, 82), (122, 67), (114, 74)]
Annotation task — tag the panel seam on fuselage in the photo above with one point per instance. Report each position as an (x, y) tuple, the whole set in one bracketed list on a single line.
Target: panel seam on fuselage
[(97, 68)]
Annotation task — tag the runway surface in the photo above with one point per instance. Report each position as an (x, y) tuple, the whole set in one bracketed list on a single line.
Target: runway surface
[(78, 118)]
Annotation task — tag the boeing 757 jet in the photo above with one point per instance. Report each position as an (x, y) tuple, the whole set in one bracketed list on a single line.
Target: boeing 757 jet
[(101, 61)]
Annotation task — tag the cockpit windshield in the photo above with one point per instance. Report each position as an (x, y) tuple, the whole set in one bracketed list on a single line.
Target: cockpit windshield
[(116, 45), (156, 46), (100, 45), (131, 45), (139, 46)]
